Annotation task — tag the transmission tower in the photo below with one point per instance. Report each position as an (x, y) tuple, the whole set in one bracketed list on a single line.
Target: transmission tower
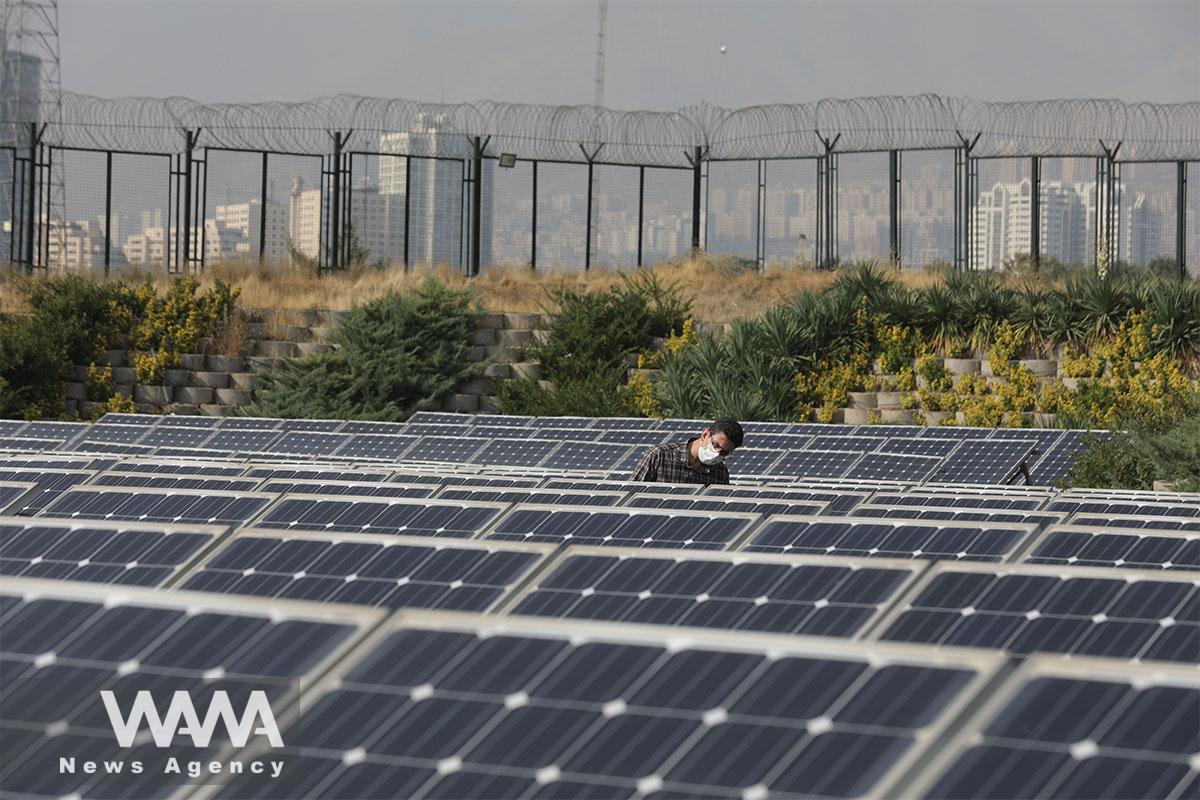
[(601, 25), (31, 91)]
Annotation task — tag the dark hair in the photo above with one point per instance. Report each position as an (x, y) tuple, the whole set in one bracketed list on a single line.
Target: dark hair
[(730, 427)]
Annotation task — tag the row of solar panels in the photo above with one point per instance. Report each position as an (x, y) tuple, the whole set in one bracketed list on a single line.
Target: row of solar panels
[(834, 590), (911, 453), (445, 705)]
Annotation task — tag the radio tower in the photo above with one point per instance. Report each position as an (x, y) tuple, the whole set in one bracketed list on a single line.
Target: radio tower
[(31, 91)]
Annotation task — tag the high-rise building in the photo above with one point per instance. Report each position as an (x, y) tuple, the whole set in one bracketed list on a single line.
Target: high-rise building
[(433, 185), (1002, 228)]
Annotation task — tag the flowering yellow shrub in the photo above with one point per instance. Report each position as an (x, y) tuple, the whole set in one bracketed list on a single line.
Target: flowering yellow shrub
[(120, 404), (641, 394), (99, 382)]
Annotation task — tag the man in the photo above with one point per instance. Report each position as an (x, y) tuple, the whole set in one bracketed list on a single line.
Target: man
[(698, 460)]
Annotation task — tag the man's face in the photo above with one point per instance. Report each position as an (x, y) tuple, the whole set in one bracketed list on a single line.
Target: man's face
[(720, 441)]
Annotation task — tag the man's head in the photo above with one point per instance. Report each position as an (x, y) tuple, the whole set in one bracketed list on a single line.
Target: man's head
[(718, 440)]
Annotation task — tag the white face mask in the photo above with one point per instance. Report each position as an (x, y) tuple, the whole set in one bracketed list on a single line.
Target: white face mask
[(710, 455)]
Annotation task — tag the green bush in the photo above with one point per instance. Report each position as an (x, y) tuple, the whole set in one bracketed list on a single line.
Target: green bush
[(398, 355), (1135, 460), (590, 335), (31, 372)]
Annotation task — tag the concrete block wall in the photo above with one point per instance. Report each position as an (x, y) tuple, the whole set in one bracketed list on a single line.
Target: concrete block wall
[(212, 383)]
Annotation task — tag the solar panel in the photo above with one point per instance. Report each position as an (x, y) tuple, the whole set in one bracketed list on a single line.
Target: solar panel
[(808, 595), (753, 460), (573, 456), (115, 449), (1111, 507), (624, 486), (889, 467), (514, 452), (64, 642), (555, 709), (11, 494), (957, 500), (357, 488), (311, 425), (376, 446), (413, 517), (564, 497), (241, 440), (1131, 496), (25, 445), (317, 473), (854, 444), (455, 449), (373, 428), (250, 423), (955, 432), (128, 553), (704, 502), (153, 481), (1053, 464), (1128, 521), (515, 420), (918, 447), (902, 538), (226, 469), (886, 429), (176, 436), (111, 434), (10, 427), (958, 514), (819, 463), (776, 441), (442, 416), (838, 501), (1085, 728), (984, 461), (51, 461), (434, 429), (307, 443), (1027, 608), (188, 421), (480, 481), (644, 438), (622, 527), (690, 425), (391, 571), (155, 505), (48, 484), (62, 431), (1117, 547)]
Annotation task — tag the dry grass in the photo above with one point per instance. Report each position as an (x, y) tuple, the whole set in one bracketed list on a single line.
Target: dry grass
[(721, 289)]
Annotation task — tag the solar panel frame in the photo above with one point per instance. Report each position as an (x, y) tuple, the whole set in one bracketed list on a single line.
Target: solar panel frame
[(923, 780), (731, 544), (349, 488), (520, 494), (358, 621), (214, 532), (1130, 496), (156, 466), (551, 566), (1021, 533), (1127, 577), (621, 486), (13, 493), (144, 480), (1189, 540), (1040, 519), (315, 472), (432, 544), (577, 633), (957, 499)]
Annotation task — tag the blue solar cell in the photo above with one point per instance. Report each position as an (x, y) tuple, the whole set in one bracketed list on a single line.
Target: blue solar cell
[(378, 515), (203, 508), (888, 538), (985, 461), (1141, 549), (1024, 610), (815, 463)]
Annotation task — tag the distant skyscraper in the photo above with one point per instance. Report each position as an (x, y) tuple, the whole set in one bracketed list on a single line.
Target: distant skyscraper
[(436, 192)]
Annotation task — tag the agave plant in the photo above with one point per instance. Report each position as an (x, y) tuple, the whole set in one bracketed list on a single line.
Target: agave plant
[(901, 306), (942, 319), (868, 279), (1102, 305), (1034, 318), (1174, 309)]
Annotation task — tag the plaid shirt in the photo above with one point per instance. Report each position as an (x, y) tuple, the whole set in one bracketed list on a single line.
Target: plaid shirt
[(672, 463)]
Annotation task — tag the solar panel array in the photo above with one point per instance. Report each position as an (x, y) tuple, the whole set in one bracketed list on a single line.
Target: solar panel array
[(482, 607)]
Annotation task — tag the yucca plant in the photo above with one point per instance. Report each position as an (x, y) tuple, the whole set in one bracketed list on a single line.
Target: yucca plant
[(900, 305), (1102, 303), (868, 279), (1032, 318), (942, 319), (1175, 318)]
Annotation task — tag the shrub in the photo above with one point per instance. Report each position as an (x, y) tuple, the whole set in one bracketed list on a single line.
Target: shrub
[(398, 354), (1136, 459), (98, 385)]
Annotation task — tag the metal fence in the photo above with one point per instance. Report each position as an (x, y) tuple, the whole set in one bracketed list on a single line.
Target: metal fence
[(177, 185)]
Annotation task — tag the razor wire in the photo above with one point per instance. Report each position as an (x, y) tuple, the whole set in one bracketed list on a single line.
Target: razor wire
[(1068, 127)]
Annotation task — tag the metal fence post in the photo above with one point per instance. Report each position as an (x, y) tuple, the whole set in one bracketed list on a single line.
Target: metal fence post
[(695, 159), (35, 142), (1181, 218), (108, 159), (641, 210), (894, 205), (476, 202), (262, 222), (1035, 211), (964, 183), (533, 222)]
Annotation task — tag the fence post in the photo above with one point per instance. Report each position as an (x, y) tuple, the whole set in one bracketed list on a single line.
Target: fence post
[(894, 205), (262, 222), (335, 205), (35, 142), (826, 202), (108, 159), (1035, 211), (476, 202), (533, 223), (966, 201), (641, 208), (189, 145), (587, 227), (1181, 218), (695, 159)]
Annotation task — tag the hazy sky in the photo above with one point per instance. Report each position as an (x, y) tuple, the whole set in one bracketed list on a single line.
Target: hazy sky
[(660, 55)]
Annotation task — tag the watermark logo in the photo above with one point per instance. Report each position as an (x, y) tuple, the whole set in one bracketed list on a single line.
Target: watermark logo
[(182, 718)]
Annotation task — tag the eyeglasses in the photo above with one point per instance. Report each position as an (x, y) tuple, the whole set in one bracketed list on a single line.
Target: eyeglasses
[(725, 453)]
